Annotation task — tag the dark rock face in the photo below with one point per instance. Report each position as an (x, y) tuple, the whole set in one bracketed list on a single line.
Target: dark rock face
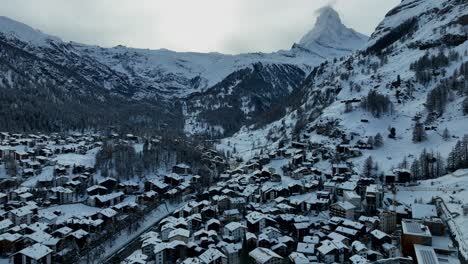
[(245, 96)]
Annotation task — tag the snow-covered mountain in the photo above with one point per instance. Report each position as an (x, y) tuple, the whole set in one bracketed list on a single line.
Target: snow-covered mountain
[(17, 30), (330, 36), (31, 58), (414, 67), (178, 74)]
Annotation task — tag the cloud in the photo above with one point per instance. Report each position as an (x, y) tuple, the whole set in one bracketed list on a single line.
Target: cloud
[(231, 26)]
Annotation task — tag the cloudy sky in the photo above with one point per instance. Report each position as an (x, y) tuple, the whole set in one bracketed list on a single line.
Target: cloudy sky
[(230, 26)]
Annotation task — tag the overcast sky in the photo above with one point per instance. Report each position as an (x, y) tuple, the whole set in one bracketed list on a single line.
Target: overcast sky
[(230, 26)]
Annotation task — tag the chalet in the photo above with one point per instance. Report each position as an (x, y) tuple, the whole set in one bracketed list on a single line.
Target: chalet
[(60, 171), (327, 252), (300, 172), (78, 237), (108, 215), (257, 221), (213, 256), (379, 238), (299, 258), (106, 200), (301, 229), (109, 182), (342, 209), (10, 243), (264, 256), (298, 159), (179, 234), (390, 178), (97, 190), (340, 168), (21, 155), (232, 215), (61, 195), (373, 198), (173, 179), (371, 223), (181, 169), (235, 230), (36, 253), (61, 180), (402, 175), (129, 187), (22, 215), (148, 198), (157, 186), (299, 145)]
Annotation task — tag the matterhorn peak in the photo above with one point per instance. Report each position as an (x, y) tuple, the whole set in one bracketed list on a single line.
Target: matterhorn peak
[(329, 37), (327, 16)]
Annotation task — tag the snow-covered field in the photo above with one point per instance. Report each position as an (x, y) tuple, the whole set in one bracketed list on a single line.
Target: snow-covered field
[(89, 159)]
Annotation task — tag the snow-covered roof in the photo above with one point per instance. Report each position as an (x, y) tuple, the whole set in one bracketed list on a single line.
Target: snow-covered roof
[(425, 254), (326, 247), (298, 258), (108, 212), (211, 255), (263, 255), (233, 226), (10, 237), (415, 228), (179, 232), (345, 205), (305, 248), (379, 234), (5, 224), (36, 251), (357, 259)]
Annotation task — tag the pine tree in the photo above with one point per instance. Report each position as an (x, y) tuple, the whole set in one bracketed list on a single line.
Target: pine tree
[(404, 163), (419, 133), (370, 141), (465, 106), (368, 167), (378, 140), (446, 134), (415, 170)]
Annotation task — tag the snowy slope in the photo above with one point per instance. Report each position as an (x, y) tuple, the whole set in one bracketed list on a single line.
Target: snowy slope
[(14, 29), (436, 25)]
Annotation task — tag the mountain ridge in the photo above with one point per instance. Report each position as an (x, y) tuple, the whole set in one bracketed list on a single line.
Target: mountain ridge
[(163, 78)]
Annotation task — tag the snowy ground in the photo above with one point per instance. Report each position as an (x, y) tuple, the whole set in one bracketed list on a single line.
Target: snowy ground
[(46, 174), (453, 190), (89, 159)]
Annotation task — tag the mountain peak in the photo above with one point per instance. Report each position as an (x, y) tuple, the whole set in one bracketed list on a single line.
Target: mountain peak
[(327, 17), (330, 37), (14, 29)]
